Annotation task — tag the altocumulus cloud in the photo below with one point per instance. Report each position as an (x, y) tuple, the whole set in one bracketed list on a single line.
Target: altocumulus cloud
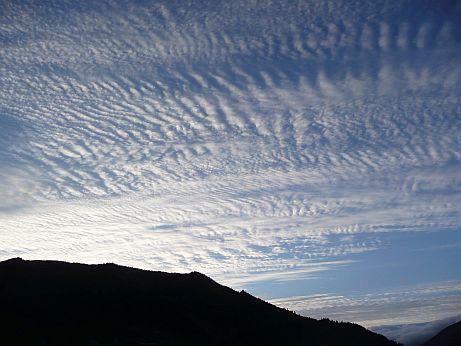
[(251, 141)]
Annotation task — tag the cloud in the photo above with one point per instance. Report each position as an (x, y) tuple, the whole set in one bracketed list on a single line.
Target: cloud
[(395, 312), (415, 334), (251, 141)]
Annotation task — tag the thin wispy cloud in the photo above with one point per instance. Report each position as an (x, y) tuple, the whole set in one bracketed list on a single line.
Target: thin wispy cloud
[(414, 304)]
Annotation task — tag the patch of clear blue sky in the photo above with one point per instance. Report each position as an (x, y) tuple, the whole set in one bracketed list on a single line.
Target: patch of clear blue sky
[(407, 259)]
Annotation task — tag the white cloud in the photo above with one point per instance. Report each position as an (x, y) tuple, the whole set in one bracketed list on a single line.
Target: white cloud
[(233, 138), (415, 334), (410, 305)]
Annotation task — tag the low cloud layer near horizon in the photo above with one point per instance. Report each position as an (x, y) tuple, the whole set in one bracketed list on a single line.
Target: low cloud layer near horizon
[(416, 334), (289, 148)]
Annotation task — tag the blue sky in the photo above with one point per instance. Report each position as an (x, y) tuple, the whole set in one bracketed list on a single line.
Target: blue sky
[(306, 151)]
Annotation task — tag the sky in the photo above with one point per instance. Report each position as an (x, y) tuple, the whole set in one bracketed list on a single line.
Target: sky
[(308, 152)]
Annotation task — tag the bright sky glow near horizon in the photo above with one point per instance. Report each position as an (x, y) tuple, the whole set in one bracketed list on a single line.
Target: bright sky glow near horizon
[(308, 152)]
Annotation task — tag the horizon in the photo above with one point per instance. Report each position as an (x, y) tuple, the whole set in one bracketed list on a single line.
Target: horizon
[(307, 152)]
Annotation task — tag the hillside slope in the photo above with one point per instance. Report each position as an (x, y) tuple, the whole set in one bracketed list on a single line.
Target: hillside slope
[(450, 336), (59, 303)]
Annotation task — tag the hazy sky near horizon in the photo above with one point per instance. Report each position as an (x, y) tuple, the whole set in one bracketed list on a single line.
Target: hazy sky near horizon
[(306, 151)]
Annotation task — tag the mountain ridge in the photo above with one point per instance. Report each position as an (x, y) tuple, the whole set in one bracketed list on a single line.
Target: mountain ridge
[(59, 303), (449, 336)]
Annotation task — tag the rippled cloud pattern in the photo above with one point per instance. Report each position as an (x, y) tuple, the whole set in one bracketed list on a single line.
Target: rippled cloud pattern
[(291, 148)]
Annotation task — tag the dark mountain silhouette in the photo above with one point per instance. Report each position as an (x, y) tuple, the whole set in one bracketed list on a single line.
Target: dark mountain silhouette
[(450, 336), (59, 303)]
